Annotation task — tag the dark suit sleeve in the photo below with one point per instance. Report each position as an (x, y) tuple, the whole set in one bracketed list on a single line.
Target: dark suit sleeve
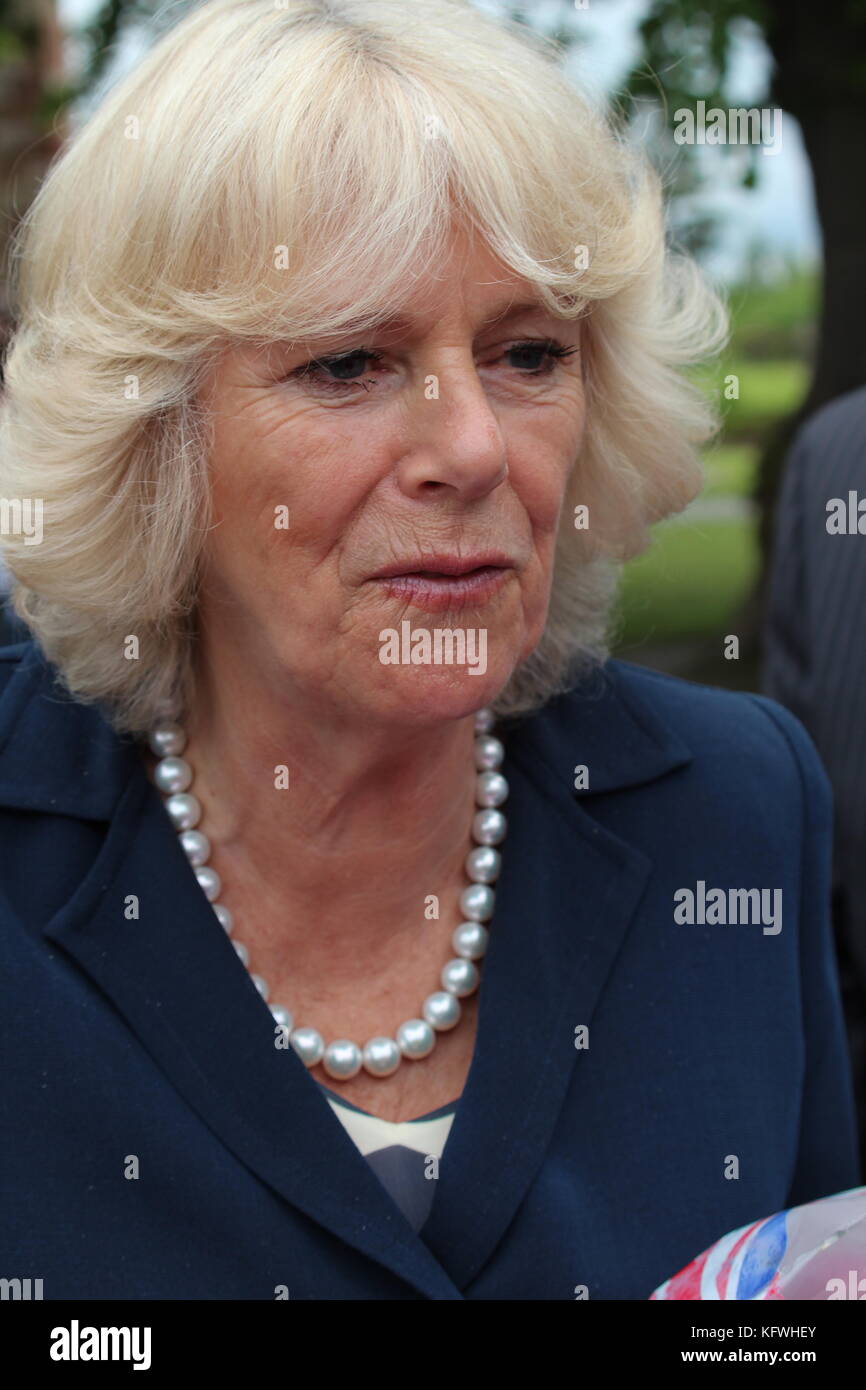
[(827, 1158), (785, 668)]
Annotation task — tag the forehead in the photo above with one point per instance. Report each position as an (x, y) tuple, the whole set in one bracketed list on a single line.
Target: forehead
[(468, 282)]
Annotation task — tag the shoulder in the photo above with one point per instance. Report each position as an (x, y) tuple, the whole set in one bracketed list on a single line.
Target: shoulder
[(11, 656), (828, 454), (840, 421), (710, 717), (26, 675), (17, 661), (744, 747), (57, 753), (716, 721)]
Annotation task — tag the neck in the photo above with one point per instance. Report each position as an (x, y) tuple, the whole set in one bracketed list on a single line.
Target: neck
[(328, 818)]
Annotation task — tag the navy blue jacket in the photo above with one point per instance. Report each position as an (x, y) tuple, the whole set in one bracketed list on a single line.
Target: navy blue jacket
[(715, 1088)]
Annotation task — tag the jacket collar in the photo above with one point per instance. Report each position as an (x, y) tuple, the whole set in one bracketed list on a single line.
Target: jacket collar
[(57, 754), (565, 902)]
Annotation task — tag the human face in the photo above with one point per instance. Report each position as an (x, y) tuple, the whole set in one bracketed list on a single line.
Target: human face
[(453, 441)]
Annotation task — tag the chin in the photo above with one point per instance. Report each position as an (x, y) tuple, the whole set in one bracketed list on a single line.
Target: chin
[(426, 694)]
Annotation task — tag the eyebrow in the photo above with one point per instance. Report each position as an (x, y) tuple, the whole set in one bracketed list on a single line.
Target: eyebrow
[(503, 312), (398, 323), (512, 311)]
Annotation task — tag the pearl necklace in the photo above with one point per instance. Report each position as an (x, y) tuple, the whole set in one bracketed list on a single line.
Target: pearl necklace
[(459, 978)]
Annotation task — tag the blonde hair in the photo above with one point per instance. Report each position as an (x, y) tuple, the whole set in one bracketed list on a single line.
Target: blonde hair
[(215, 195)]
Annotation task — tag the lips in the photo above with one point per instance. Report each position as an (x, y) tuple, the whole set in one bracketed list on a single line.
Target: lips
[(452, 585), (445, 566), (445, 574)]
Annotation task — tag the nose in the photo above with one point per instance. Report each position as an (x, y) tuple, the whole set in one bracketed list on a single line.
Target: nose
[(456, 441)]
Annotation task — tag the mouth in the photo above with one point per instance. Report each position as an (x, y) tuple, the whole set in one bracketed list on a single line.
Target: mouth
[(451, 578), (440, 588), (446, 566)]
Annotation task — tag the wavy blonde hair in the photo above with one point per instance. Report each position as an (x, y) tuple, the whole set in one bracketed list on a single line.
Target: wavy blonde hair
[(214, 196)]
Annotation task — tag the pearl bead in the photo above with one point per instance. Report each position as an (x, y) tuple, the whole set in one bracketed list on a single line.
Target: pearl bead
[(460, 977), (211, 883), (415, 1039), (308, 1044), (489, 827), (441, 1010), (283, 1017), (491, 789), (224, 917), (169, 740), (483, 864), (484, 721), (261, 985), (184, 810), (470, 940), (489, 753), (242, 951), (196, 846), (172, 775), (381, 1056), (476, 902), (342, 1059)]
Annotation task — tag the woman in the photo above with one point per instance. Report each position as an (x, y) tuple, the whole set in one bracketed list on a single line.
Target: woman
[(345, 392)]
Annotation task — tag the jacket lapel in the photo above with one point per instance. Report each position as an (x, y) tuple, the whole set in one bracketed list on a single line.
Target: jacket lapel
[(176, 978), (564, 903)]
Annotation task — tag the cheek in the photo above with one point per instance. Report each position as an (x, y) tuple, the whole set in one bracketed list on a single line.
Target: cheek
[(251, 513), (548, 449), (284, 493), (542, 489)]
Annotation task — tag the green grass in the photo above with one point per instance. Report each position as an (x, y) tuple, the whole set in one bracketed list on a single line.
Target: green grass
[(689, 583), (768, 392), (776, 319), (730, 470), (695, 574), (692, 581)]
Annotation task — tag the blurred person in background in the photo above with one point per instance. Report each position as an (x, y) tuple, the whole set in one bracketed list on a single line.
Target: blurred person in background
[(815, 663)]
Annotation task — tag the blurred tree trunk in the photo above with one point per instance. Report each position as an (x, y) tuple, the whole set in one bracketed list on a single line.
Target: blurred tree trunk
[(31, 69), (820, 54)]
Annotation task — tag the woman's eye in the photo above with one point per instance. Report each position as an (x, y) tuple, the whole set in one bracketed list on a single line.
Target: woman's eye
[(332, 372), (350, 367), (536, 358)]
